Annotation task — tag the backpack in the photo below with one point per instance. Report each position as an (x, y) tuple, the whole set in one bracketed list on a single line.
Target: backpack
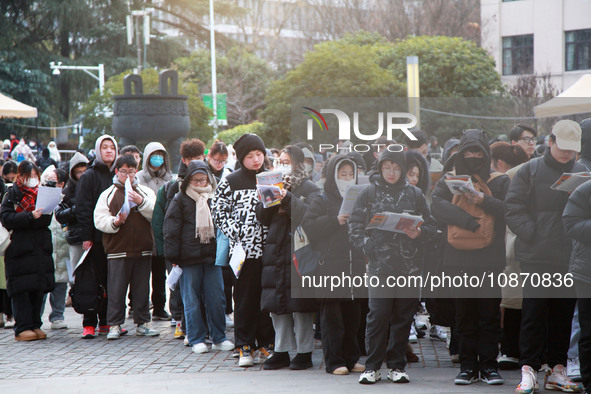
[(86, 292), (464, 239)]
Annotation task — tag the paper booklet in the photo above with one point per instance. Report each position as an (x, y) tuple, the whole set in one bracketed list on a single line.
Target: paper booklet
[(570, 181), (270, 195), (460, 184), (270, 178), (48, 198), (395, 222), (350, 198)]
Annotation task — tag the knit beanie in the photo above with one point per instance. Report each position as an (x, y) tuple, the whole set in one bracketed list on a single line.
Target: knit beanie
[(247, 143)]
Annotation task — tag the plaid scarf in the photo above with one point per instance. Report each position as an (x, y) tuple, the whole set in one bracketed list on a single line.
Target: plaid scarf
[(29, 199)]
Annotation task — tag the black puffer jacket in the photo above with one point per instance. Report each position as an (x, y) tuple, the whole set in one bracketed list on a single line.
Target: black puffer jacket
[(92, 183), (586, 143), (327, 235), (577, 225), (28, 258), (534, 212), (390, 253), (491, 257), (65, 213), (180, 245), (277, 266)]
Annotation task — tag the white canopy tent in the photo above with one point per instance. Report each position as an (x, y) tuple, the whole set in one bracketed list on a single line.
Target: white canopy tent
[(574, 100), (10, 108)]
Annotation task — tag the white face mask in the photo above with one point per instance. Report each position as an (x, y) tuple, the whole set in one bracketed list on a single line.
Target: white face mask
[(342, 185), (308, 168), (285, 169), (32, 182)]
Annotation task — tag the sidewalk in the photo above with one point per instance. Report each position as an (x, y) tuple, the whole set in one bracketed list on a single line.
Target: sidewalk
[(66, 363)]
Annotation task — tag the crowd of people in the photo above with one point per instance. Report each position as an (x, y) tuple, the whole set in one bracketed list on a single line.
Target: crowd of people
[(119, 230)]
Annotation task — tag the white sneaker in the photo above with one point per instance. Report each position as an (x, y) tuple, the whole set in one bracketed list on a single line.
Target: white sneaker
[(200, 348), (223, 346), (438, 333), (529, 381), (573, 369), (58, 325), (557, 380), (229, 321), (506, 362), (370, 377), (146, 330), (412, 337), (114, 332), (186, 341), (420, 322), (245, 359), (398, 376)]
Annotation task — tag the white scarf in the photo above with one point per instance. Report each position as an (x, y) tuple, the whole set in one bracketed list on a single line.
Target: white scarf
[(203, 224)]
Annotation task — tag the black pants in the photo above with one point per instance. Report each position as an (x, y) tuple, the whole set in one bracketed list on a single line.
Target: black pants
[(98, 258), (364, 310), (511, 328), (479, 330), (389, 319), (251, 326), (340, 324), (27, 311), (158, 283), (5, 306), (229, 280), (583, 290), (545, 329)]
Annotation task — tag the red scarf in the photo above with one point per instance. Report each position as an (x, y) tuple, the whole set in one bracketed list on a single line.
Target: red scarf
[(29, 197)]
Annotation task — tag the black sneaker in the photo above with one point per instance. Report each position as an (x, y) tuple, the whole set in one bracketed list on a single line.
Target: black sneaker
[(161, 315), (466, 376), (491, 376), (301, 361), (277, 361)]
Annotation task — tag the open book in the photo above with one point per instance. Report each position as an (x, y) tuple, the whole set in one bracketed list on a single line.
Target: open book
[(269, 185), (570, 181), (395, 222), (350, 198), (460, 184)]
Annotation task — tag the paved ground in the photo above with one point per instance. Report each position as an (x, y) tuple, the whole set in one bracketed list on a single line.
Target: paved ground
[(65, 363)]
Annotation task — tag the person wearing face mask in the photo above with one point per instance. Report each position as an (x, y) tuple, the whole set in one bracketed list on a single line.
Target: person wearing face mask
[(29, 264), (391, 309), (154, 174), (54, 153), (22, 152), (293, 318), (478, 319), (328, 232)]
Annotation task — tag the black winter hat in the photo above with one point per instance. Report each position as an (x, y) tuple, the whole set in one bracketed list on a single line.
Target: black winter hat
[(247, 143)]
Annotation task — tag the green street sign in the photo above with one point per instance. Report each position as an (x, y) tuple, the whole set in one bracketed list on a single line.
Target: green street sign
[(221, 106)]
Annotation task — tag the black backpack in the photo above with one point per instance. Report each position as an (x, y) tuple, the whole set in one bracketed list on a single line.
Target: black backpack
[(86, 292)]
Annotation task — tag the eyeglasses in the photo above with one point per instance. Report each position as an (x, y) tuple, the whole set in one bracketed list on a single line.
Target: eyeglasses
[(127, 172), (528, 140), (200, 181), (219, 162)]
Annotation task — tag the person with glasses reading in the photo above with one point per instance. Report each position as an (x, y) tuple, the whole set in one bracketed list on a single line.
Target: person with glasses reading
[(128, 243), (525, 137)]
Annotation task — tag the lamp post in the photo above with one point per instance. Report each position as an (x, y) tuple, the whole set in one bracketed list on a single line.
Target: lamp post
[(413, 87), (87, 69), (214, 87)]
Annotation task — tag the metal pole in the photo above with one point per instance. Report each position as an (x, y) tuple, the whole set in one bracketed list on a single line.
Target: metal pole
[(101, 74), (139, 45), (214, 87), (412, 86)]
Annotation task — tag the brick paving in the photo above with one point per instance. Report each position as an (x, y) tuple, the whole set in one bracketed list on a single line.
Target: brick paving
[(66, 354)]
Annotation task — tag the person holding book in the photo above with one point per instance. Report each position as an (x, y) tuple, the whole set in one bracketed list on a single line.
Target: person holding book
[(478, 320), (233, 211), (293, 318), (328, 233), (534, 214), (391, 310)]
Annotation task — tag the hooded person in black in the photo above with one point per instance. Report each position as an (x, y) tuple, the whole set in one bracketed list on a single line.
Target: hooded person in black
[(233, 211), (423, 181), (339, 317), (585, 158), (478, 319), (391, 310)]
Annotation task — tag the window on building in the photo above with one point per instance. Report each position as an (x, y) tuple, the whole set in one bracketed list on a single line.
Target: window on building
[(578, 50), (518, 55)]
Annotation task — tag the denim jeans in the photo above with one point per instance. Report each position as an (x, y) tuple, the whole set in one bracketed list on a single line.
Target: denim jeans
[(57, 300), (203, 282)]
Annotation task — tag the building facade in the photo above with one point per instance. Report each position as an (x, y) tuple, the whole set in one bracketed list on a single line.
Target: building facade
[(538, 37)]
